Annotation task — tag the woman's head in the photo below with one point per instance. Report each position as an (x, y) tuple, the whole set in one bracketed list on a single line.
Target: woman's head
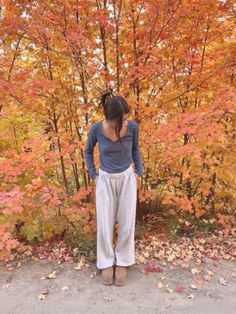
[(115, 109)]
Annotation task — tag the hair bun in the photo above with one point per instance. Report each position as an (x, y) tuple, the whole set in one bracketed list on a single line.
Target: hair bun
[(104, 97)]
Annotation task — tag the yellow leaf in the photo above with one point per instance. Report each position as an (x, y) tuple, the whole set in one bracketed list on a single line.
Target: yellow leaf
[(193, 286), (195, 270)]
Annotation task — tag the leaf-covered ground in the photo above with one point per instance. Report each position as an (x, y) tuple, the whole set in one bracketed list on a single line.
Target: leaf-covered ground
[(171, 275)]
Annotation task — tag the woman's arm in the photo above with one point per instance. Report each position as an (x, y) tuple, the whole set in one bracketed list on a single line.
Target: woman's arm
[(136, 155), (89, 152)]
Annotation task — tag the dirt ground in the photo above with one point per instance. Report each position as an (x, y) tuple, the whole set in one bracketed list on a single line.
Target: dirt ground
[(23, 289)]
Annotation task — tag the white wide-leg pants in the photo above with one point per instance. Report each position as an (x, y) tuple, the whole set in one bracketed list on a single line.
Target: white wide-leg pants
[(116, 198)]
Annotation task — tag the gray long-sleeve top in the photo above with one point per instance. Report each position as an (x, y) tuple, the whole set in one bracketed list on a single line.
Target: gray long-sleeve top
[(111, 157)]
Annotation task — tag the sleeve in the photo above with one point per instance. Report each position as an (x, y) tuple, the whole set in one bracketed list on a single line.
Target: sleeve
[(136, 155), (89, 152)]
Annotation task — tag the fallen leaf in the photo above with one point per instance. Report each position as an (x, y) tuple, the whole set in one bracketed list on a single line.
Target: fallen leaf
[(223, 281), (49, 276), (170, 290), (52, 275), (93, 274), (151, 267), (202, 241), (160, 285), (171, 257), (179, 288), (210, 272), (141, 259), (198, 261), (207, 277), (9, 266), (190, 296), (81, 264), (198, 280), (43, 295), (193, 286), (195, 270), (107, 299)]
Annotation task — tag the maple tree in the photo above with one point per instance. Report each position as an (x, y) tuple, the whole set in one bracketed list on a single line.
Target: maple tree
[(174, 61)]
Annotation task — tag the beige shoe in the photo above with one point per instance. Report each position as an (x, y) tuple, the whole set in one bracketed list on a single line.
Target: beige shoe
[(121, 275), (107, 275)]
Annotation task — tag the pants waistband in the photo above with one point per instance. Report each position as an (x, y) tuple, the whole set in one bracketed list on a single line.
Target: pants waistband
[(116, 175)]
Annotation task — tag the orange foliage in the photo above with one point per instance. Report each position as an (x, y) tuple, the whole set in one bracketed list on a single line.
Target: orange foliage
[(175, 63)]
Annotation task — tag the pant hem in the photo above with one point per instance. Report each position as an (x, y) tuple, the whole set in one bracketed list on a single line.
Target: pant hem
[(104, 266), (125, 265)]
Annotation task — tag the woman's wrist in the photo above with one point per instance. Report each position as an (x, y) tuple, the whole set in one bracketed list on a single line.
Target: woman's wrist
[(94, 178)]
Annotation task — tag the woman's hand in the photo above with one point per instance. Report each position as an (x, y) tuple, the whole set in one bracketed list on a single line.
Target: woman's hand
[(137, 179), (96, 179)]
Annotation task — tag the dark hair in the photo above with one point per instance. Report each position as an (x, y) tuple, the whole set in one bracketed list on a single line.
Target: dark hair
[(114, 107)]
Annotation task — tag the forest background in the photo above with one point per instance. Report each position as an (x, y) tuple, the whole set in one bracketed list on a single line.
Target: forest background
[(173, 61)]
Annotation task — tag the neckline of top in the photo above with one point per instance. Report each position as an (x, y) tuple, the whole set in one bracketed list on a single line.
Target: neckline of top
[(127, 131)]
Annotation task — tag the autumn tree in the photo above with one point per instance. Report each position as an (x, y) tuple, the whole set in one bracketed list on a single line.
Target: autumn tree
[(174, 61)]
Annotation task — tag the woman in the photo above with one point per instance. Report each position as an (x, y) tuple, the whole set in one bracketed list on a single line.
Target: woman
[(116, 186)]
